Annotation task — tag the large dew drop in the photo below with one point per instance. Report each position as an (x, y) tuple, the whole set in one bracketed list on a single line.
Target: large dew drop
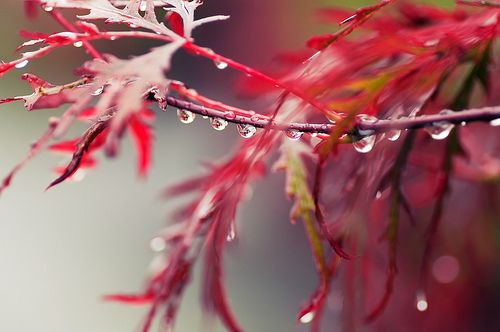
[(220, 64), (393, 135), (440, 130), (218, 123), (495, 122), (307, 317), (246, 130), (421, 302), (185, 116), (365, 145), (293, 134)]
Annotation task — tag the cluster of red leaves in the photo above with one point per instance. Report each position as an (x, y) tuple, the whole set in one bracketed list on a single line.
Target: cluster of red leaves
[(406, 60)]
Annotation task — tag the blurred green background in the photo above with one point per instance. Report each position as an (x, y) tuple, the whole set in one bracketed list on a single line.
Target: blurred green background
[(61, 250)]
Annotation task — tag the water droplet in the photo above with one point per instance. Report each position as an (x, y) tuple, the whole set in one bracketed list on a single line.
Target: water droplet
[(393, 135), (439, 130), (133, 26), (113, 37), (231, 235), (293, 134), (365, 145), (463, 123), (218, 123), (229, 115), (48, 8), (421, 302), (378, 195), (495, 122), (185, 116), (143, 6), (220, 64), (254, 118), (313, 134), (246, 130), (366, 118), (157, 244), (307, 317), (22, 64), (98, 91), (78, 44)]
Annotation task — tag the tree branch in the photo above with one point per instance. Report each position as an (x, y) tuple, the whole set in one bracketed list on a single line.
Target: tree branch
[(485, 114)]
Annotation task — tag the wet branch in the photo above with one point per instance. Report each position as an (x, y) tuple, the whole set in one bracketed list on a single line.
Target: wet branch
[(486, 114)]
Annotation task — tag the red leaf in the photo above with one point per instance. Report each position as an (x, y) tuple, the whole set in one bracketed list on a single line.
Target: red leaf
[(133, 299), (174, 21), (142, 138)]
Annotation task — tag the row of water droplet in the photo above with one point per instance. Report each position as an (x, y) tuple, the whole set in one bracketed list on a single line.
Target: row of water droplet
[(219, 124), (437, 130)]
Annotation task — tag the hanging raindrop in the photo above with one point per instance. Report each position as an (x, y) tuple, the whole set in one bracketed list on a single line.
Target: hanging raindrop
[(495, 122), (218, 123), (393, 134), (246, 130), (421, 301), (185, 116), (78, 43), (365, 144), (98, 91), (293, 134), (231, 235), (440, 130), (307, 317), (220, 64)]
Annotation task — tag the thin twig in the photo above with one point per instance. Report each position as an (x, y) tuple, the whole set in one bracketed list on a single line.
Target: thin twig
[(478, 3)]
